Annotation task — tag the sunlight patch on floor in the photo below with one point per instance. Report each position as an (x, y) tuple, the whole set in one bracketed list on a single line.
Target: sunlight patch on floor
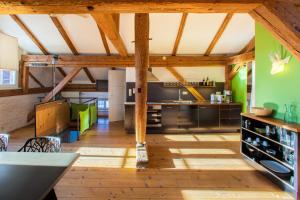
[(106, 151), (199, 151), (204, 138), (231, 194), (105, 162), (212, 164)]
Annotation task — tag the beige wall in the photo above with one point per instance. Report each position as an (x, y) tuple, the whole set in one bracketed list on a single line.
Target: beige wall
[(116, 94), (14, 110)]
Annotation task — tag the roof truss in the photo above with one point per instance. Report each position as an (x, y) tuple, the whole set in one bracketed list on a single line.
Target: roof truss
[(70, 44)]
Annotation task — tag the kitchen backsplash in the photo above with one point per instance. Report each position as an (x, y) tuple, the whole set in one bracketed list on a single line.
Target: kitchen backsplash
[(157, 92)]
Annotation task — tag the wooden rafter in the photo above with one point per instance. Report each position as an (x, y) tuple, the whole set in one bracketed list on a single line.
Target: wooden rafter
[(249, 47), (173, 71), (126, 6), (64, 34), (118, 61), (242, 58), (107, 24), (282, 20), (192, 90), (33, 38), (179, 34), (70, 44), (219, 34), (61, 84), (104, 41), (29, 34), (235, 70), (35, 80)]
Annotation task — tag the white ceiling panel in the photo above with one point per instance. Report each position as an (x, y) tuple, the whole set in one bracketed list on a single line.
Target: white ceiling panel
[(10, 27), (163, 31), (238, 33), (45, 31), (199, 31), (127, 31), (84, 33)]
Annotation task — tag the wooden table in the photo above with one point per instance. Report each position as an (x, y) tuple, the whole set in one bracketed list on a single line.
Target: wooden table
[(31, 176)]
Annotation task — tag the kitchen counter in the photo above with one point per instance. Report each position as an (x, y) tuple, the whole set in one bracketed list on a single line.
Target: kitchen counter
[(202, 103), (186, 117)]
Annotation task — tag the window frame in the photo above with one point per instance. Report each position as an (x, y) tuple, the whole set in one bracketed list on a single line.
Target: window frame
[(16, 79)]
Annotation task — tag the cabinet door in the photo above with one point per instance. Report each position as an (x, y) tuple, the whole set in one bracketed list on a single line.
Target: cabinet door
[(230, 116), (209, 116), (188, 116), (129, 121), (170, 116)]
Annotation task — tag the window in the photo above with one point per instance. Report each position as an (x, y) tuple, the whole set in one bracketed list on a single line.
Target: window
[(103, 104), (8, 77)]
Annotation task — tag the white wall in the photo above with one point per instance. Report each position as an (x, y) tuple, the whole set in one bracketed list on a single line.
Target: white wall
[(192, 74), (14, 110), (116, 94)]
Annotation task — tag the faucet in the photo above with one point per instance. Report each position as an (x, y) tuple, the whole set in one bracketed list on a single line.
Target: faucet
[(179, 95)]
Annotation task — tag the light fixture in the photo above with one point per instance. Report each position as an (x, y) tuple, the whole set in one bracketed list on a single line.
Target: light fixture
[(278, 62)]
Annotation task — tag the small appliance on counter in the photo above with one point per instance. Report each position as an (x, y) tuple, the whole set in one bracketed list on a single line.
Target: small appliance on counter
[(219, 98), (228, 96)]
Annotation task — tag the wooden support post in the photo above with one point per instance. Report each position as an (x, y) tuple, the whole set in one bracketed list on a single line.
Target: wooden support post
[(25, 79), (227, 80), (141, 66)]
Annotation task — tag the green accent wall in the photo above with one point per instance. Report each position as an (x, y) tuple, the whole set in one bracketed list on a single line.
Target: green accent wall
[(239, 87), (275, 90)]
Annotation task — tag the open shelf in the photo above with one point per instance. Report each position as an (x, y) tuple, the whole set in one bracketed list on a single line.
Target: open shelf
[(283, 138), (267, 138), (286, 183), (272, 157)]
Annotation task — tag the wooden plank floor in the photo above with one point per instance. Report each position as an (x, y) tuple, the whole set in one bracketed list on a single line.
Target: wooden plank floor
[(182, 167)]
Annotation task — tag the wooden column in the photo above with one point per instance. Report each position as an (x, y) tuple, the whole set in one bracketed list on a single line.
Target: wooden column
[(227, 80), (25, 79), (141, 66)]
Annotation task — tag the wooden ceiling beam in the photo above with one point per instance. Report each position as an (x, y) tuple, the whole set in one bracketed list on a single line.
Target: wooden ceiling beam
[(70, 44), (64, 34), (218, 34), (29, 34), (242, 58), (33, 38), (126, 6), (104, 41), (173, 71), (118, 61), (108, 25), (179, 34), (282, 20), (249, 47), (235, 70)]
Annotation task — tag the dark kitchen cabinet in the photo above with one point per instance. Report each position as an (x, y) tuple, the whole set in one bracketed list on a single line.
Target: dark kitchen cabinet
[(209, 116), (170, 115), (230, 116), (188, 116), (129, 122)]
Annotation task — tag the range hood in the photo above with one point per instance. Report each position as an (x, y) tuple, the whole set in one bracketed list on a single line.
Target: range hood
[(150, 76)]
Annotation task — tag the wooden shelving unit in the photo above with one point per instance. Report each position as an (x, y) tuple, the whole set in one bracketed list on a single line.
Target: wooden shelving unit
[(282, 138)]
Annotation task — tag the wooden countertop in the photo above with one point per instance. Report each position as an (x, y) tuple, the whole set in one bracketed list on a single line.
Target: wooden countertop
[(276, 122), (204, 103)]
